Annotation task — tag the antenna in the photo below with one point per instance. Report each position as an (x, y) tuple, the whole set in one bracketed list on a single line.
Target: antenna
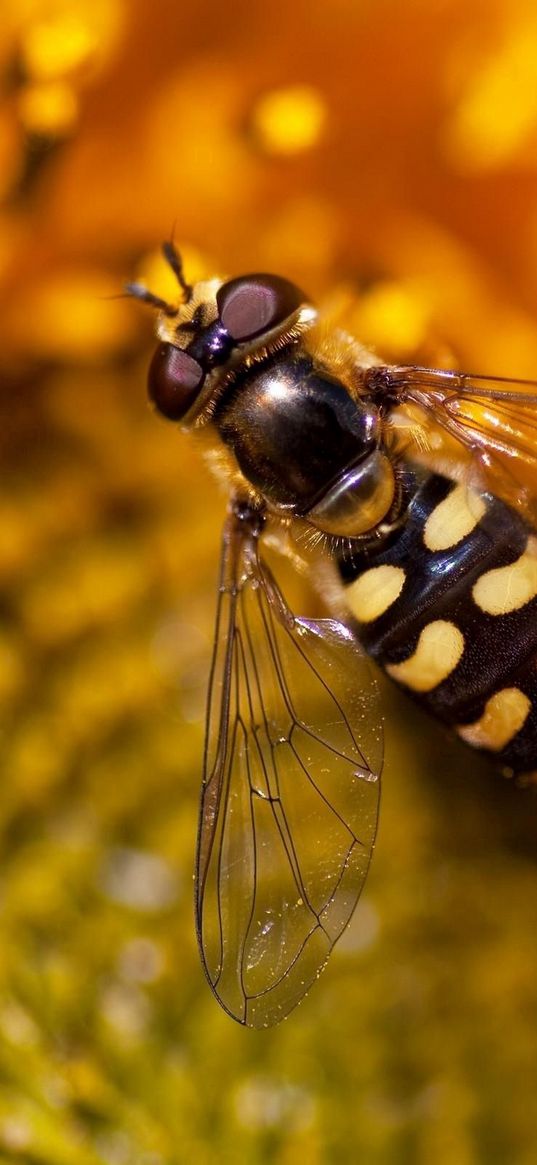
[(173, 258), (140, 292)]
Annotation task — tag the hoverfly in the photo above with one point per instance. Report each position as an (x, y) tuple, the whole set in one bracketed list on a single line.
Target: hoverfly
[(414, 489)]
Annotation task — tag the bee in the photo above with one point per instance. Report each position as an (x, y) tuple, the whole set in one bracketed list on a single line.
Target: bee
[(410, 492)]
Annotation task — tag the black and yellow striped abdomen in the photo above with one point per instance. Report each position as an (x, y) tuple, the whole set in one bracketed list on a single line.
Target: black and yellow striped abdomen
[(449, 609)]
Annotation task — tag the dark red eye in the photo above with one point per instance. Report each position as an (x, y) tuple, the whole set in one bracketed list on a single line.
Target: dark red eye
[(173, 381), (253, 304)]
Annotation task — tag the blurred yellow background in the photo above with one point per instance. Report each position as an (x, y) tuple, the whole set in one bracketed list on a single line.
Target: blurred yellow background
[(384, 156)]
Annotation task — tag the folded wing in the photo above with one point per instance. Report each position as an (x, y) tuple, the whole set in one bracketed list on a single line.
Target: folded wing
[(290, 791)]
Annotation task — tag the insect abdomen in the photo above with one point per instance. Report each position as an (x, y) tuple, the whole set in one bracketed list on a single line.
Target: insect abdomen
[(449, 609)]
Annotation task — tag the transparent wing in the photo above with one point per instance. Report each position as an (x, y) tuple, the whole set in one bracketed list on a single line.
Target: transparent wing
[(290, 791), (493, 418)]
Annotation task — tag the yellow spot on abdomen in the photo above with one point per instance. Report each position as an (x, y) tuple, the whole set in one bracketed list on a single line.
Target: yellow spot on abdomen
[(508, 588), (453, 519), (505, 714), (370, 595), (439, 649)]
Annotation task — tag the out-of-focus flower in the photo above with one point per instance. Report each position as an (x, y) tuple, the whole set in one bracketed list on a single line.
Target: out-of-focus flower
[(289, 120)]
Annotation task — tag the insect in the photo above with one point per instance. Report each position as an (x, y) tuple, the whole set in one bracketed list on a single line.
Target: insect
[(411, 491)]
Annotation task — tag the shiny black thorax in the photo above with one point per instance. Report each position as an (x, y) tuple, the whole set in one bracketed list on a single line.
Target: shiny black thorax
[(294, 428), (500, 650)]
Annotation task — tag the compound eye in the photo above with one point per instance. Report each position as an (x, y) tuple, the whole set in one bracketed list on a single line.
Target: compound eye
[(173, 381), (253, 304)]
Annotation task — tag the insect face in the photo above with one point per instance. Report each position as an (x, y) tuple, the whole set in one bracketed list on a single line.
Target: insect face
[(219, 326)]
